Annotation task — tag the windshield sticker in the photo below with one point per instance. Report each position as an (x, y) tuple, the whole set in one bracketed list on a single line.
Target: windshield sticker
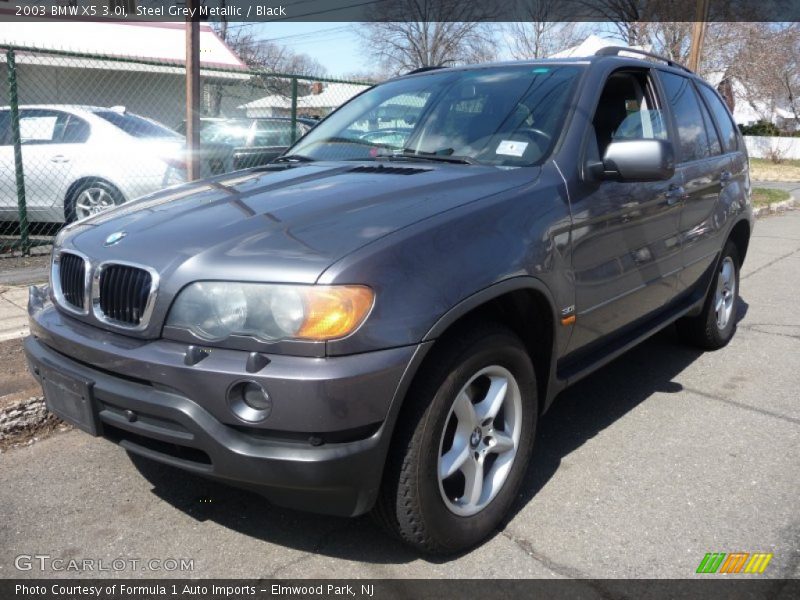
[(510, 148)]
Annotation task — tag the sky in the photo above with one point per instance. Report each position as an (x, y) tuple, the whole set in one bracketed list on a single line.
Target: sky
[(335, 46)]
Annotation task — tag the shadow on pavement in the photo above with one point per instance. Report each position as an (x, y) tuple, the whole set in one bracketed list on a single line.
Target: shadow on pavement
[(576, 416)]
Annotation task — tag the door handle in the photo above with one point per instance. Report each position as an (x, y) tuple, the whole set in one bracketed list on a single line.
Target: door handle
[(725, 178), (674, 194), (59, 158)]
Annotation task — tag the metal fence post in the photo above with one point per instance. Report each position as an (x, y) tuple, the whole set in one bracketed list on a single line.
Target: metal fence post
[(294, 109), (13, 103)]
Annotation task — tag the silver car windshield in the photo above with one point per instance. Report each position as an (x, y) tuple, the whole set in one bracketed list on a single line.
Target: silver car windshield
[(504, 115)]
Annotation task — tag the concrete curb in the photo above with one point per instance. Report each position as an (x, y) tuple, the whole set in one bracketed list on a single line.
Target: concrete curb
[(774, 208), (23, 419)]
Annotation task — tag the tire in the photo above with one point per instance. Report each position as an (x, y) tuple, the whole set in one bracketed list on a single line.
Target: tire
[(90, 192), (439, 516), (714, 327)]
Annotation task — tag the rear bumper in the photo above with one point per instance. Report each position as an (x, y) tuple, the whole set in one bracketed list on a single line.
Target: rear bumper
[(334, 472)]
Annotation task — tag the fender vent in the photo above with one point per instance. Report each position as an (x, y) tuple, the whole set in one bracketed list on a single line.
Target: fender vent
[(382, 170)]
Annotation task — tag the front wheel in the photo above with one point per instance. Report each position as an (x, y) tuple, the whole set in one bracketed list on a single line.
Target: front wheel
[(462, 443), (714, 327)]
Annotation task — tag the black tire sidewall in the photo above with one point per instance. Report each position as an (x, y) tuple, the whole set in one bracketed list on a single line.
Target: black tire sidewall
[(451, 530)]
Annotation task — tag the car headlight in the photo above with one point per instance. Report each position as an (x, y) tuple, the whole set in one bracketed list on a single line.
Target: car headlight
[(215, 310)]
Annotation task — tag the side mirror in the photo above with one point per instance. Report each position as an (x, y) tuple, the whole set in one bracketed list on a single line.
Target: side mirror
[(636, 160)]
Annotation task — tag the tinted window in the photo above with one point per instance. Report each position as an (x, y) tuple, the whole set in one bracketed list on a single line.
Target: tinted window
[(5, 128), (137, 126), (723, 118), (76, 131), (274, 133), (713, 139), (692, 137), (234, 132)]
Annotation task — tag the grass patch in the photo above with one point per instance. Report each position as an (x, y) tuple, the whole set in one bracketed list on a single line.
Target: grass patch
[(765, 170), (765, 196)]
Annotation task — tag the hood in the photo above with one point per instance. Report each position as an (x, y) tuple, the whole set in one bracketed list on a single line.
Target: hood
[(286, 223)]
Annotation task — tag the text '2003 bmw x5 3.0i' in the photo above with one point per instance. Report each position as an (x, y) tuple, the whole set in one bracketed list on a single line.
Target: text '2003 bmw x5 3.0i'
[(377, 323)]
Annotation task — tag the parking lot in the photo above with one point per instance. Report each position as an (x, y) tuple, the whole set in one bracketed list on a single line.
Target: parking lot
[(639, 471)]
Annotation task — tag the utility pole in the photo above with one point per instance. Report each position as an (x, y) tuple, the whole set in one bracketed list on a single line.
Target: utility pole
[(193, 93), (698, 34)]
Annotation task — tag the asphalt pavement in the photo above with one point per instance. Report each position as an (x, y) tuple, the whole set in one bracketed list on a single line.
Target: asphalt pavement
[(639, 471)]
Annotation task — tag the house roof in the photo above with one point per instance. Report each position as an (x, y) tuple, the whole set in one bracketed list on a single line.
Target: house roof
[(590, 46), (332, 95), (163, 42)]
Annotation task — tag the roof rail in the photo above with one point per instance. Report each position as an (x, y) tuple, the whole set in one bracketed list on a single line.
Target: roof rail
[(423, 69), (615, 51)]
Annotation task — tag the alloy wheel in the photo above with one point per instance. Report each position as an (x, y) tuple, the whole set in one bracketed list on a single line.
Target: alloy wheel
[(480, 440), (92, 201), (725, 293)]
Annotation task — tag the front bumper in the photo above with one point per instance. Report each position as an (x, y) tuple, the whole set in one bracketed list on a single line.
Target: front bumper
[(322, 448)]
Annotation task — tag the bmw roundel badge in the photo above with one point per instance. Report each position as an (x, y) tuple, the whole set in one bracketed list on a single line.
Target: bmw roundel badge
[(115, 238)]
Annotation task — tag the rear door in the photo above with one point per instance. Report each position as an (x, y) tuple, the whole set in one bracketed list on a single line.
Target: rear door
[(46, 161), (705, 168)]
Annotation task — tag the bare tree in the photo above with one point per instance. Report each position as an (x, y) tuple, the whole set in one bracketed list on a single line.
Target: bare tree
[(767, 65), (261, 53), (269, 59), (410, 34), (537, 33)]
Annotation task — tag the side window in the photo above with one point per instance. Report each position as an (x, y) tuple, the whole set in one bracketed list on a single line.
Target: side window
[(76, 131), (714, 145), (693, 139), (628, 109), (5, 128), (272, 133), (722, 116), (38, 126)]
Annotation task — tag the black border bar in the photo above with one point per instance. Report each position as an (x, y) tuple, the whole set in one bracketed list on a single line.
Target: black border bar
[(402, 10)]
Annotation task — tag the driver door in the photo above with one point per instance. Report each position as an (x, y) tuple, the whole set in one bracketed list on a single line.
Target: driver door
[(626, 252)]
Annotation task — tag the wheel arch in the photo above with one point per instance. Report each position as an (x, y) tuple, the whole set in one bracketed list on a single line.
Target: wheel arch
[(740, 236), (526, 307)]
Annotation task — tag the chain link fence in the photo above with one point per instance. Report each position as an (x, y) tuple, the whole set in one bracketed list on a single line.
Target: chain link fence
[(81, 133)]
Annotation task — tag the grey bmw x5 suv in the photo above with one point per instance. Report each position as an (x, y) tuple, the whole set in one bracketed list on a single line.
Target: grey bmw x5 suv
[(377, 323)]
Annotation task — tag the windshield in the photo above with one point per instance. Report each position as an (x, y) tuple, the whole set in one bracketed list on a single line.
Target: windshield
[(509, 116), (137, 126)]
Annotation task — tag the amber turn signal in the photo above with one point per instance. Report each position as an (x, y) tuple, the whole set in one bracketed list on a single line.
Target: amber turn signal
[(334, 311)]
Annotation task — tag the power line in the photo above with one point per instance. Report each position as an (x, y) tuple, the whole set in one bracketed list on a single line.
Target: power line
[(310, 36)]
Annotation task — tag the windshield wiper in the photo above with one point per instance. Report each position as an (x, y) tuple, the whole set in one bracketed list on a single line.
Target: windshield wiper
[(294, 158), (410, 155)]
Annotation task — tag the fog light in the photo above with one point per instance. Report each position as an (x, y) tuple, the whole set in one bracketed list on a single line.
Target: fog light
[(249, 401), (256, 397)]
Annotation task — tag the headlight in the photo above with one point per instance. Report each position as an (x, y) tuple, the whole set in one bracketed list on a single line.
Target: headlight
[(214, 310)]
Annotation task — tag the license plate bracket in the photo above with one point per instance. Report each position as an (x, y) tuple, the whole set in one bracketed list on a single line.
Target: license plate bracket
[(70, 398)]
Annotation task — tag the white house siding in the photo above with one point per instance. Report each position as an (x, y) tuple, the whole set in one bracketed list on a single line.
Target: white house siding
[(159, 96), (759, 146)]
